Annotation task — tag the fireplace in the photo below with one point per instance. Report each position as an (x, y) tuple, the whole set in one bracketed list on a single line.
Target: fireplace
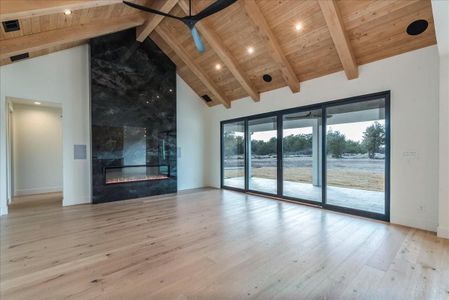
[(133, 107), (125, 174)]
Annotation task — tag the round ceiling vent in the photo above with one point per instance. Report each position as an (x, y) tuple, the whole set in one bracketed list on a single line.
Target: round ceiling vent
[(417, 27), (267, 78)]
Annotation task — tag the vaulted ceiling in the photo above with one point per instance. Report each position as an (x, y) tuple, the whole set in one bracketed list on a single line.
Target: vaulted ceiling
[(333, 35)]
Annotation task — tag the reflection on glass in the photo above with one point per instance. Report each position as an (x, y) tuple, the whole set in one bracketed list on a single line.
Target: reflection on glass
[(263, 155), (355, 142), (134, 146), (302, 155), (234, 155)]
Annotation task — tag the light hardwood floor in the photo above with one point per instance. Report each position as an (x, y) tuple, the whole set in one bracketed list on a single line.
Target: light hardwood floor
[(214, 244)]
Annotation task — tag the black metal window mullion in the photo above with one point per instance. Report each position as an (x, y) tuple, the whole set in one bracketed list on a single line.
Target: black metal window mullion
[(323, 155), (280, 167), (247, 158)]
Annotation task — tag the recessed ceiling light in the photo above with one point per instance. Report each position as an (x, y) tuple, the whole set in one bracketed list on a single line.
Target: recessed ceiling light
[(217, 67), (298, 26), (37, 103), (67, 12), (250, 50)]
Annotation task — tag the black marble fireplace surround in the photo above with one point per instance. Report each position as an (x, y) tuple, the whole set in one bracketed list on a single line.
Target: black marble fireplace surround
[(133, 106)]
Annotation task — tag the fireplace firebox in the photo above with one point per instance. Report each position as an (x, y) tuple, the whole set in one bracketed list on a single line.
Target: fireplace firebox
[(125, 174)]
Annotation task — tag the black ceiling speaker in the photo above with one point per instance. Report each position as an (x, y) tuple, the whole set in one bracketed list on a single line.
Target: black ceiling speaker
[(417, 27), (267, 78), (190, 20)]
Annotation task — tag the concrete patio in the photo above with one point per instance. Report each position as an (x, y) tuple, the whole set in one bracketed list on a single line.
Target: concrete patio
[(346, 197)]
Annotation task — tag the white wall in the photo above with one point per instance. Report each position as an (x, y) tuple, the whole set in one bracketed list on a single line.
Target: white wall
[(37, 149), (443, 227), (61, 77), (440, 11), (191, 111), (413, 80)]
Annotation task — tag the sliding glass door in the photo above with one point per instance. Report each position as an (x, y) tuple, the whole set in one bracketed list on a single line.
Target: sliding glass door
[(262, 155), (233, 153), (333, 154), (356, 156), (301, 149)]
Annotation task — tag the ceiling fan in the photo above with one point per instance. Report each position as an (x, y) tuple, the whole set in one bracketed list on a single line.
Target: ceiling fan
[(190, 20)]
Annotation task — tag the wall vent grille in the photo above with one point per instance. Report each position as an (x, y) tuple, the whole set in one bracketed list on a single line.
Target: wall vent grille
[(206, 98), (20, 56), (12, 25)]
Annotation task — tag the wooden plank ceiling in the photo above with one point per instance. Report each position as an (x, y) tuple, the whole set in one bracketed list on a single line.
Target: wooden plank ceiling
[(334, 35)]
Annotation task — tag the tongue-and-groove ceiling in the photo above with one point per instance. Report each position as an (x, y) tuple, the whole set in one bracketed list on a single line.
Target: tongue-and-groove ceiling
[(335, 35)]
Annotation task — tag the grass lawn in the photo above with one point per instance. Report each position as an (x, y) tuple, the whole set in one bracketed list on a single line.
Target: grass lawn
[(359, 179)]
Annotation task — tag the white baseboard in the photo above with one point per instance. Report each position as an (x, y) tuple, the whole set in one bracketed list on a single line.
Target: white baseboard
[(33, 191), (82, 200), (443, 232), (415, 223), (3, 210)]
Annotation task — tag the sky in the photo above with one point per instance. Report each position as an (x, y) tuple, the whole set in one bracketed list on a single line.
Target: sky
[(352, 131)]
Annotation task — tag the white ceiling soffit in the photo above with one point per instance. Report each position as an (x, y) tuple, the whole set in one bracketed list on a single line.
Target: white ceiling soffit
[(440, 9)]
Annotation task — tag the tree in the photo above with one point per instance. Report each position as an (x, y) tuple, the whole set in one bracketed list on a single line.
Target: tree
[(374, 138), (259, 147), (233, 144), (336, 143), (297, 144), (353, 147)]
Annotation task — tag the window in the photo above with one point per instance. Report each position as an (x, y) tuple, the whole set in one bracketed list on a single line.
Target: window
[(262, 155), (334, 154), (233, 147), (301, 144), (355, 160)]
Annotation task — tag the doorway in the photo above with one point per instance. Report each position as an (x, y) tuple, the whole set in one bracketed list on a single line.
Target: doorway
[(34, 154)]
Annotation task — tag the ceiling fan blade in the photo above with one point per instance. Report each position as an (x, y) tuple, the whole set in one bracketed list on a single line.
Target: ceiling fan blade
[(213, 8), (197, 39), (150, 10)]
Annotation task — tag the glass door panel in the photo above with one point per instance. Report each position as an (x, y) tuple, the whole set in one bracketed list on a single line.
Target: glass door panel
[(233, 144), (301, 148), (262, 155), (356, 156)]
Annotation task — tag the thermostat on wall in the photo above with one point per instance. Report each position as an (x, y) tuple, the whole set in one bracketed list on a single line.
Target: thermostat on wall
[(79, 152)]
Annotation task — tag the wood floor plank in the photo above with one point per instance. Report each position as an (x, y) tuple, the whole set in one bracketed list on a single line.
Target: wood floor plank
[(212, 244)]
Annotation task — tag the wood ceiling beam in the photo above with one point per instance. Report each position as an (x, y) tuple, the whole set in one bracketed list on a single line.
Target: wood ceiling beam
[(47, 39), (142, 32), (338, 33), (182, 54), (20, 9), (255, 14), (225, 55)]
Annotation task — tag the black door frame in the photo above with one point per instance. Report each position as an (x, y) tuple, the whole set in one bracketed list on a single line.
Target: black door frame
[(279, 115)]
